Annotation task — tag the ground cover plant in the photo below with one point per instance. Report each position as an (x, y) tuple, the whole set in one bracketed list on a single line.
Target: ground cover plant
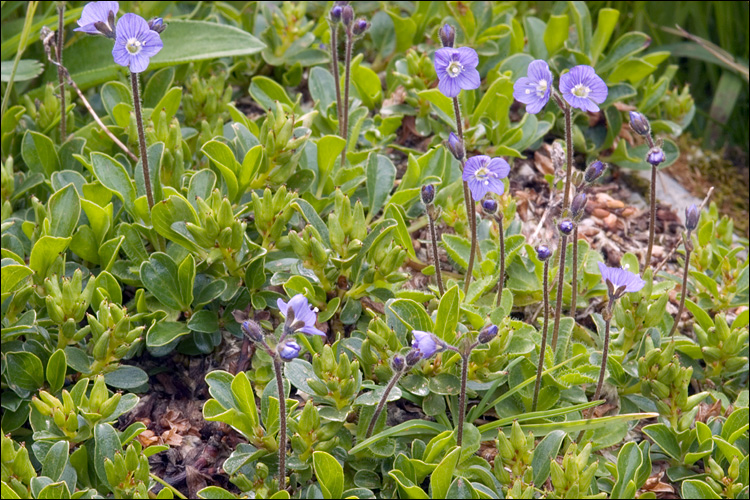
[(358, 250)]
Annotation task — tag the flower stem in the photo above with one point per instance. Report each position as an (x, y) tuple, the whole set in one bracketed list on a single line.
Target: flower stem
[(473, 221), (382, 402), (282, 423), (652, 223), (462, 397), (540, 366), (141, 138), (60, 75), (433, 237), (347, 77), (605, 352), (567, 111), (501, 280), (688, 250), (574, 292), (560, 287), (335, 71), (459, 125)]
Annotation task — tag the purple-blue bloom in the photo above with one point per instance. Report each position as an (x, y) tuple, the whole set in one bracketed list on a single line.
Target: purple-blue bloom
[(583, 88), (299, 316), (456, 146), (426, 343), (534, 89), (692, 216), (655, 156), (543, 252), (95, 12), (289, 350), (457, 70), (617, 277), (135, 43), (485, 174)]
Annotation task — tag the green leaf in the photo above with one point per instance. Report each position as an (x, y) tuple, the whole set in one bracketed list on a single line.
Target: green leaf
[(443, 474), (628, 461), (106, 444), (535, 33), (165, 332), (329, 473), (443, 105), (46, 250), (24, 372), (582, 18), (545, 451), (39, 154), (27, 69), (266, 92), (204, 321), (157, 86), (383, 34), (605, 25), (411, 314), (126, 377), (64, 209), (186, 277), (695, 488), (222, 157), (54, 463), (447, 315), (556, 32), (114, 177), (12, 275), (403, 237), (329, 148), (169, 218), (627, 45), (380, 176), (663, 436), (322, 87), (160, 277), (56, 367)]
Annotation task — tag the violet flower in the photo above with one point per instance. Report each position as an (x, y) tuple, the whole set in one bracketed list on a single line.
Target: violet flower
[(457, 70), (135, 43), (299, 316), (97, 12), (583, 88), (534, 90), (620, 280), (484, 174), (426, 343), (289, 350)]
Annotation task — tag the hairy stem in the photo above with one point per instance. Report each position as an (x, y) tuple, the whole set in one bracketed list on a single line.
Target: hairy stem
[(141, 138), (574, 292), (472, 215), (335, 71), (459, 125), (605, 351), (382, 402), (433, 237), (347, 74), (501, 280), (282, 423), (652, 223), (462, 398), (540, 366), (560, 286), (688, 250), (567, 111), (60, 74)]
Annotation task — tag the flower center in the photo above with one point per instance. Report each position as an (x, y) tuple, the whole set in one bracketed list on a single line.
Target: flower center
[(454, 69), (134, 45), (541, 88), (581, 90), (483, 174)]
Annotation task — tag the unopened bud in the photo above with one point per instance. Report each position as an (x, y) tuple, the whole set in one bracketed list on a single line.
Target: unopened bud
[(577, 206), (566, 227), (489, 206), (252, 330), (594, 171), (488, 333), (413, 357), (543, 252), (397, 363), (347, 15), (157, 24), (335, 14), (692, 215), (289, 350), (360, 26), (655, 156), (639, 123), (428, 193), (456, 146), (447, 35)]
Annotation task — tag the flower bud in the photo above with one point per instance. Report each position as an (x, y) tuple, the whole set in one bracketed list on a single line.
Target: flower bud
[(577, 206), (289, 350), (639, 123), (360, 26), (413, 357), (347, 15), (428, 193), (655, 156), (252, 330), (489, 206), (456, 146), (157, 24), (594, 171), (566, 226), (543, 252), (692, 215), (488, 333), (335, 14), (397, 363), (447, 35)]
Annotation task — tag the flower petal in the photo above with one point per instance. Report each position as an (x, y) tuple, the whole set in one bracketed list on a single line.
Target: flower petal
[(478, 189), (467, 57), (152, 44), (539, 70), (120, 54), (499, 167), (449, 86), (283, 306), (311, 330), (469, 79)]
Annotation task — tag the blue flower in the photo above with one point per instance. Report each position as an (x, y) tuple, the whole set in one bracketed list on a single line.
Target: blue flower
[(485, 174), (299, 316), (692, 216), (457, 70), (135, 43), (655, 156), (97, 12), (543, 252), (426, 343), (289, 350), (620, 280), (583, 88), (534, 89)]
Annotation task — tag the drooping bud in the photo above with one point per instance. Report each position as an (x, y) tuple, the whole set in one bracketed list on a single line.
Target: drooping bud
[(577, 206), (543, 252), (655, 156), (456, 146), (335, 14), (594, 171), (252, 330), (692, 215), (360, 26), (413, 357), (397, 363), (447, 35), (157, 24), (489, 206), (289, 350), (488, 333), (639, 123), (566, 226), (428, 193), (347, 15)]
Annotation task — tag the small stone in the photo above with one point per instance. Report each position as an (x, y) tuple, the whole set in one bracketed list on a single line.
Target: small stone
[(600, 213)]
